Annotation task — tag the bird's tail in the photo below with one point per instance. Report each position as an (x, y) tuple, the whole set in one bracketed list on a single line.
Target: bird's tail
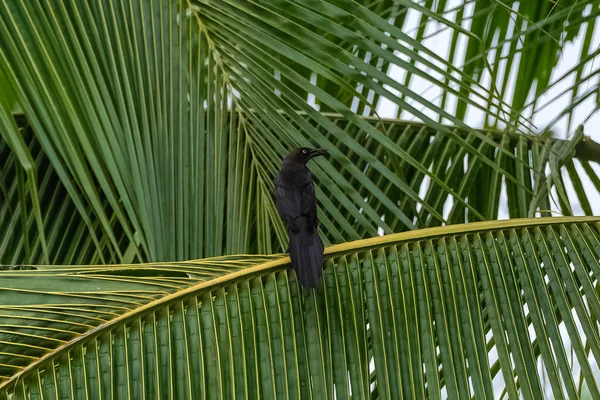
[(306, 252)]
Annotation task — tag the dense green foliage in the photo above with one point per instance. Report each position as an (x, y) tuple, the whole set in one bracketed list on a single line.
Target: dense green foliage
[(150, 131)]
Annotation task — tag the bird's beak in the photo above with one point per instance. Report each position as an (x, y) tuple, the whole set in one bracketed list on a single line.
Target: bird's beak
[(318, 152)]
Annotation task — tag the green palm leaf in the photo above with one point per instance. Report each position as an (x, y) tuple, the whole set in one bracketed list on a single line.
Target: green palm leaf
[(457, 168), (151, 131), (463, 310), (165, 130)]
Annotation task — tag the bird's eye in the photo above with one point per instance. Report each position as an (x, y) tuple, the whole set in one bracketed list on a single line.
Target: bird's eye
[(304, 151)]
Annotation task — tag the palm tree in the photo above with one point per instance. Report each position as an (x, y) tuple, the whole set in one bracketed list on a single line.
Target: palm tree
[(136, 136)]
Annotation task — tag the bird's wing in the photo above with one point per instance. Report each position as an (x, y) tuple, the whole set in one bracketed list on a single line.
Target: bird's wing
[(293, 202)]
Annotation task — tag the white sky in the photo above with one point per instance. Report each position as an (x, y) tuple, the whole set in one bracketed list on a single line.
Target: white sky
[(572, 51)]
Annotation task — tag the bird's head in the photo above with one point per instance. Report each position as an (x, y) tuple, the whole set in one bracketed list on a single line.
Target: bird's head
[(303, 155)]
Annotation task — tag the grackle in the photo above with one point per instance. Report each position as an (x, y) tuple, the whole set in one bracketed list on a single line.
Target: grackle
[(297, 206)]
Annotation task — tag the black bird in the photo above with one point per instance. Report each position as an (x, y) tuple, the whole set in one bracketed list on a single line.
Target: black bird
[(297, 206)]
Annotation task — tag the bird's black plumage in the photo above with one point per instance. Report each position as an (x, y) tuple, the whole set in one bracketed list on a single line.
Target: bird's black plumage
[(297, 206)]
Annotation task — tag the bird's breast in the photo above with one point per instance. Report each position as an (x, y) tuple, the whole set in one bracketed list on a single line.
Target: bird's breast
[(294, 178)]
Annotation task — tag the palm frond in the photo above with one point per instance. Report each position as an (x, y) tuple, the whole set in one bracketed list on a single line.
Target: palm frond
[(37, 299), (131, 105), (465, 310), (350, 208), (512, 50), (165, 122), (64, 222)]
